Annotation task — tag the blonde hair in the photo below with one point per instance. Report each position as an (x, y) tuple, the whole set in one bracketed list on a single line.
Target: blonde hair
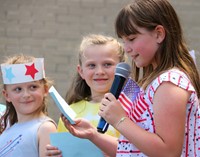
[(79, 89), (98, 39)]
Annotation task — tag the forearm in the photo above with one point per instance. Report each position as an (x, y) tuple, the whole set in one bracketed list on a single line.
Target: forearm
[(106, 143), (149, 143)]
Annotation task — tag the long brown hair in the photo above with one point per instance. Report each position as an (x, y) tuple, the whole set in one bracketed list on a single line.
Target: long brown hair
[(173, 51)]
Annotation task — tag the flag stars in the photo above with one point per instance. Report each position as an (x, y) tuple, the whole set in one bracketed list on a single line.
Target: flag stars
[(9, 74), (31, 70)]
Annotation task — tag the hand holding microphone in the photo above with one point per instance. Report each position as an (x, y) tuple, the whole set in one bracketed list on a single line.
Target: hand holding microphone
[(122, 72)]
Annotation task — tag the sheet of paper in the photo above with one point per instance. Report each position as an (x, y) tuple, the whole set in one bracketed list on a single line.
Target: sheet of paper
[(65, 109), (192, 53), (2, 109), (72, 146)]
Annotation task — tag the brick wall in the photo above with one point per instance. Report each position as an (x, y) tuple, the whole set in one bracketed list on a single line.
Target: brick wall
[(53, 29)]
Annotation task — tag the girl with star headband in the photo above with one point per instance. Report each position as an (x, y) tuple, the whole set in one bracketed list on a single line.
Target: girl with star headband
[(25, 90)]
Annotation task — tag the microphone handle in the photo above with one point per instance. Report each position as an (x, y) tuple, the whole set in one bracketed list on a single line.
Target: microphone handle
[(115, 90), (102, 125)]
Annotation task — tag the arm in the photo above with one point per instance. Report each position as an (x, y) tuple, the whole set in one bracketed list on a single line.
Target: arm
[(44, 136), (169, 115), (106, 143)]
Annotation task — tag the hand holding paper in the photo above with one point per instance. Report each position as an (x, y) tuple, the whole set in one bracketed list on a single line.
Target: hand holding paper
[(62, 105)]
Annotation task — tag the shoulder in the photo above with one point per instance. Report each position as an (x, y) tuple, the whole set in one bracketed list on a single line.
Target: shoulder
[(168, 90), (47, 125), (174, 76), (173, 81)]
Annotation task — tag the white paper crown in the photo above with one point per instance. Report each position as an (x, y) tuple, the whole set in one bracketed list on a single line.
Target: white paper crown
[(21, 73)]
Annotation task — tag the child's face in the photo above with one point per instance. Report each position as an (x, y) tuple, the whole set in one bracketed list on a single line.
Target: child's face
[(142, 47), (98, 67), (27, 98)]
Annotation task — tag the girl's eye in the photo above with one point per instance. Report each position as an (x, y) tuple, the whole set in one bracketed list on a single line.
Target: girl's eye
[(131, 39), (33, 87), (18, 89), (91, 66), (107, 65)]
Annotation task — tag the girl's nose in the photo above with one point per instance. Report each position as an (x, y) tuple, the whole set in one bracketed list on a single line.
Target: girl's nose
[(127, 48), (99, 70), (26, 93)]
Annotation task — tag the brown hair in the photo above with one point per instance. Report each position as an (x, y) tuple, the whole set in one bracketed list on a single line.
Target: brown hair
[(173, 51)]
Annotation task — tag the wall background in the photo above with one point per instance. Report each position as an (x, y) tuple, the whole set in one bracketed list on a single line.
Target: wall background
[(53, 29)]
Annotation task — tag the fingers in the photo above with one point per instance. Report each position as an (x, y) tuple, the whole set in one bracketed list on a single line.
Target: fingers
[(109, 96), (65, 121), (52, 151), (67, 124), (53, 155), (105, 101), (108, 103)]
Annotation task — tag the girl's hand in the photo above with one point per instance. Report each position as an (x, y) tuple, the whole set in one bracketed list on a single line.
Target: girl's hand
[(111, 109), (53, 151), (82, 128)]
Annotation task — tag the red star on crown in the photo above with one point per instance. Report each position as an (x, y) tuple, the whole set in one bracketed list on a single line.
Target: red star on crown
[(31, 70)]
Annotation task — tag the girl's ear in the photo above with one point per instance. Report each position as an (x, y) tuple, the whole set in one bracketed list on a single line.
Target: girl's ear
[(5, 94), (160, 33), (80, 71), (46, 90)]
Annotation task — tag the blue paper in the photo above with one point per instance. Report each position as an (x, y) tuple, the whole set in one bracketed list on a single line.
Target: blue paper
[(72, 146), (62, 105)]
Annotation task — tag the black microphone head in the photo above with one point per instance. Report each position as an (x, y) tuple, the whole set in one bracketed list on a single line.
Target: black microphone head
[(123, 69)]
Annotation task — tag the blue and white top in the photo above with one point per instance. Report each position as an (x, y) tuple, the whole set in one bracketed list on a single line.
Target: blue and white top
[(21, 139)]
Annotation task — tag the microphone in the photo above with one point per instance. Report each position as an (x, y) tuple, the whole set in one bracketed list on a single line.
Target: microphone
[(122, 72)]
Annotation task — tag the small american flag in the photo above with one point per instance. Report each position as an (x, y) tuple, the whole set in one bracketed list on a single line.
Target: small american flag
[(132, 100)]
